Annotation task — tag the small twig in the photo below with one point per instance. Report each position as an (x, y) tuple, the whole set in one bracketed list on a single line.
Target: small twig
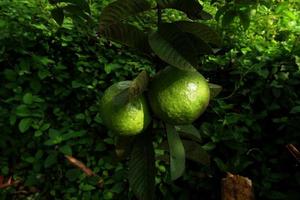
[(8, 183), (85, 169), (294, 151), (80, 165)]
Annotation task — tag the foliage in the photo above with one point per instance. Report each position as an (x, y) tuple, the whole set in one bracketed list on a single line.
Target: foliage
[(52, 78)]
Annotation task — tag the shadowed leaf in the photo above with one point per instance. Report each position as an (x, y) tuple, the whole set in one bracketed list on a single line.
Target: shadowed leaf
[(142, 168), (214, 90), (195, 152), (174, 47), (122, 98), (200, 31), (123, 146), (58, 15), (134, 90), (177, 153), (139, 85), (189, 131), (128, 35), (25, 124), (228, 17), (205, 15), (120, 10), (245, 18)]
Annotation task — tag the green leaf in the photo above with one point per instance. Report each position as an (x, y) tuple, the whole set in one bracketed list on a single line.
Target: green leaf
[(246, 2), (222, 166), (23, 111), (135, 89), (142, 168), (195, 152), (123, 146), (53, 2), (58, 15), (190, 131), (200, 31), (55, 137), (87, 187), (228, 17), (66, 150), (120, 10), (214, 90), (126, 34), (205, 15), (72, 134), (245, 19), (221, 12), (10, 75), (73, 174), (43, 73), (138, 85), (174, 47), (177, 153), (45, 126), (25, 124), (12, 119), (83, 4), (192, 8), (295, 109), (122, 98), (110, 67), (50, 160), (28, 98), (38, 133)]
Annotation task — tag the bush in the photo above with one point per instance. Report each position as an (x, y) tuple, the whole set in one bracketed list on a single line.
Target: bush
[(52, 79)]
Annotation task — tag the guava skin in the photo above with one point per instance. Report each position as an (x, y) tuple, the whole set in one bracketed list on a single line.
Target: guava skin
[(129, 119), (178, 97)]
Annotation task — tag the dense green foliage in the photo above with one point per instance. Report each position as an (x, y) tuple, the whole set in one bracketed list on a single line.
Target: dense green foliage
[(52, 79)]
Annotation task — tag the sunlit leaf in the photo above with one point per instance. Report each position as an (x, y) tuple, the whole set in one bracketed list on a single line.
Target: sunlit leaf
[(192, 8), (246, 2)]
